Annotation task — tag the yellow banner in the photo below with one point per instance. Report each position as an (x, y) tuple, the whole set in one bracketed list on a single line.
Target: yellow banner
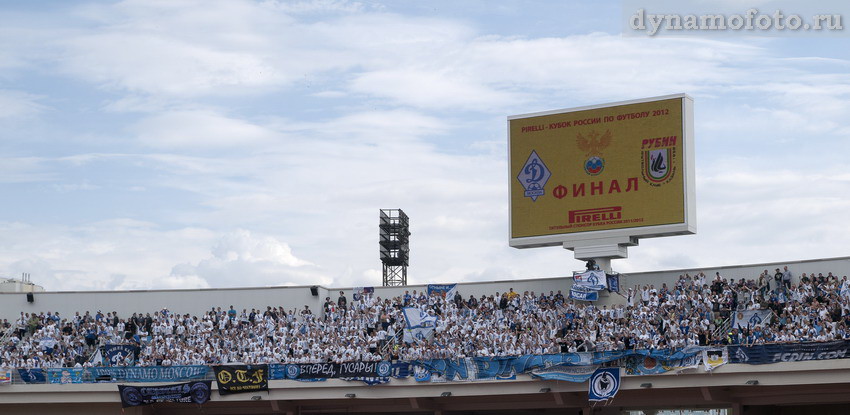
[(607, 168)]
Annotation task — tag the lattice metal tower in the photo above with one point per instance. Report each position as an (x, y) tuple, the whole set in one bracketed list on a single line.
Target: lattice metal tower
[(393, 238)]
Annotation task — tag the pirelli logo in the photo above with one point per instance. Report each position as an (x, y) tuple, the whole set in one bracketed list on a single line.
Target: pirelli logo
[(596, 215)]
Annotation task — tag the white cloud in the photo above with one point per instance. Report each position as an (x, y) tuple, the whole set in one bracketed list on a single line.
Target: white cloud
[(24, 170), (241, 259), (15, 104), (430, 89), (198, 130), (113, 254), (175, 48), (319, 6)]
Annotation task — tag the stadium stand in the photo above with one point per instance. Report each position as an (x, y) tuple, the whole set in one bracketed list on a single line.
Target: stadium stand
[(672, 322), (688, 313)]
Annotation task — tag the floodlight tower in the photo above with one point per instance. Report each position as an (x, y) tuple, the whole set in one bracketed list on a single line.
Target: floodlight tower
[(393, 239)]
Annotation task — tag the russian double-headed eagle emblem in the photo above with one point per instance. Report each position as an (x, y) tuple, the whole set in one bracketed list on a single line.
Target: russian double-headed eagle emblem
[(593, 147)]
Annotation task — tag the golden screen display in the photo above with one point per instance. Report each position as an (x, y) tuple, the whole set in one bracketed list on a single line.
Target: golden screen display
[(598, 169)]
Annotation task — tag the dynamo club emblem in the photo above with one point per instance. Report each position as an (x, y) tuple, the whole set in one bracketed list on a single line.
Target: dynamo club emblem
[(533, 176), (293, 371), (384, 368), (604, 384)]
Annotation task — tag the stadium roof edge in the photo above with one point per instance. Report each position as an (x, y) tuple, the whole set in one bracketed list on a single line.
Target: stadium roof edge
[(465, 283), (760, 264)]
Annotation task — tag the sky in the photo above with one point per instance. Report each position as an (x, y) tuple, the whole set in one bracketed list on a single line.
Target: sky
[(189, 144)]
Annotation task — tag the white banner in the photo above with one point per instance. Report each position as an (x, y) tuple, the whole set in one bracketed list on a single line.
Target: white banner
[(594, 280), (751, 318), (714, 358)]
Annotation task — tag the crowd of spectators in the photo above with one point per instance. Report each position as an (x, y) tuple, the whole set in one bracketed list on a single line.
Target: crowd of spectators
[(695, 310)]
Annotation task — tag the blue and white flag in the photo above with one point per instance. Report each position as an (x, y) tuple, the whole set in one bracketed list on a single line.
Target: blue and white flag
[(581, 293), (421, 374), (604, 384), (33, 375), (120, 354), (420, 325), (594, 280), (751, 318), (844, 291)]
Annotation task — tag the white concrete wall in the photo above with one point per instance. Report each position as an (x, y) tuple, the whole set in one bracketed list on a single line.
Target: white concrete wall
[(198, 301), (11, 285)]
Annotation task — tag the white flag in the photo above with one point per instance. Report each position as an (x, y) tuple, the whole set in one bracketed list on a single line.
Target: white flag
[(594, 280), (420, 325)]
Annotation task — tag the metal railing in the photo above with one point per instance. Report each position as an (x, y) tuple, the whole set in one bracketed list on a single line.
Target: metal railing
[(391, 341), (721, 330), (7, 335), (100, 343)]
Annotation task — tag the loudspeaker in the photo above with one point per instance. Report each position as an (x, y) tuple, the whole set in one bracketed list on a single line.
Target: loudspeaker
[(30, 298), (314, 290)]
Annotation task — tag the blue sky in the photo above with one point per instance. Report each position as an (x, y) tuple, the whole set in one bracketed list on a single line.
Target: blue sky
[(160, 144)]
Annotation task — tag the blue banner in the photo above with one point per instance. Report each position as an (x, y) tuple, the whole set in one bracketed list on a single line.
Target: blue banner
[(32, 375), (334, 370), (789, 352), (398, 370), (370, 381), (65, 375), (574, 367), (120, 354), (567, 373), (359, 292), (647, 365), (277, 371), (445, 290), (481, 368), (613, 282), (151, 373), (582, 294), (485, 368)]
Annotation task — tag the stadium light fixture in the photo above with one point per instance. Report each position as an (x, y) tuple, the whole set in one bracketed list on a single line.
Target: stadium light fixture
[(752, 382), (350, 395), (646, 385), (545, 390), (446, 394)]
